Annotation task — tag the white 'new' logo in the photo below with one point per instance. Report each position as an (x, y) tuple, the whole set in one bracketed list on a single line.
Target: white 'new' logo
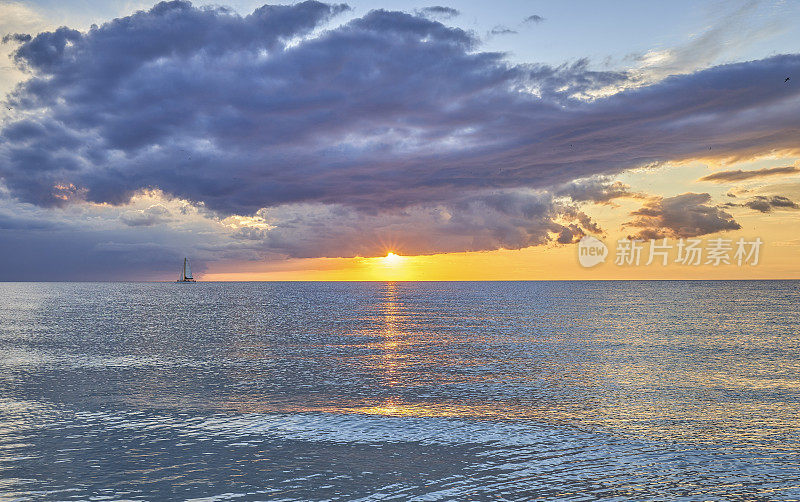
[(591, 251)]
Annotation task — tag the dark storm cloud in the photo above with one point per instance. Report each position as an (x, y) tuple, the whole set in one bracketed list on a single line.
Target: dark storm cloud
[(96, 243), (441, 12), (30, 256), (384, 112), (739, 175), (37, 245), (535, 19), (685, 215)]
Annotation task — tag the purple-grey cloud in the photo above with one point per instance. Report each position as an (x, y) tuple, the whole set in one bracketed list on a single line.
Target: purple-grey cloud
[(16, 223), (598, 189), (766, 204), (16, 37), (360, 133), (509, 219), (387, 111), (685, 215), (38, 246)]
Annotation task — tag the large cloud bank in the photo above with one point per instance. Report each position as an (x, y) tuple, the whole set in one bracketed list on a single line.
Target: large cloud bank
[(390, 126)]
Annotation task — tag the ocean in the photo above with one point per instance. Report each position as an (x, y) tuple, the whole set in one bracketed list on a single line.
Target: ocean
[(400, 391)]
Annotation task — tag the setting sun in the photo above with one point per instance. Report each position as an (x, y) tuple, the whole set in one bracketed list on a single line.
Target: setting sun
[(392, 259)]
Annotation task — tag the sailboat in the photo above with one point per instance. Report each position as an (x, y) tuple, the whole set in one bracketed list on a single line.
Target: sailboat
[(186, 273)]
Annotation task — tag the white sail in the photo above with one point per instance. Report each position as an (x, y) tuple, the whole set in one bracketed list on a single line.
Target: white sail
[(186, 272)]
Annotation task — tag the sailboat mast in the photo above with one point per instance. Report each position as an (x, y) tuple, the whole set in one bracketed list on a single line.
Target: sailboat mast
[(186, 272)]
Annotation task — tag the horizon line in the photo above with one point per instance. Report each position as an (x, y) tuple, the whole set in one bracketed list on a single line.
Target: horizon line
[(414, 280)]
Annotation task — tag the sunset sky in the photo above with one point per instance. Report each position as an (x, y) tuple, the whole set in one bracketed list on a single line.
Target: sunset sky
[(472, 139)]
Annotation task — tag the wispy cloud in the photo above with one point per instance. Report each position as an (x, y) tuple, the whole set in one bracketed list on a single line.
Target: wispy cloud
[(439, 11), (502, 30), (740, 175), (745, 25)]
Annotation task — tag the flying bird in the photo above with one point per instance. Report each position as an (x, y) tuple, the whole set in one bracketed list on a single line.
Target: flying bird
[(787, 79)]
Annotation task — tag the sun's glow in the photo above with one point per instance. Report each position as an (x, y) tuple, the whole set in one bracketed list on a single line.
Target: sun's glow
[(392, 259)]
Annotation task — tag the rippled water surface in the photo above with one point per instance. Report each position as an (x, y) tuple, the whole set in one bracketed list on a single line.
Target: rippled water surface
[(398, 391)]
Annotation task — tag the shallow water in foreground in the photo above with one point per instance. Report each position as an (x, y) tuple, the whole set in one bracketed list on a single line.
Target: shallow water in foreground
[(397, 391)]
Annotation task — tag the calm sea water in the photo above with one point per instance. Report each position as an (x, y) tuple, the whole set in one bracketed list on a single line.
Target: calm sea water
[(400, 391)]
